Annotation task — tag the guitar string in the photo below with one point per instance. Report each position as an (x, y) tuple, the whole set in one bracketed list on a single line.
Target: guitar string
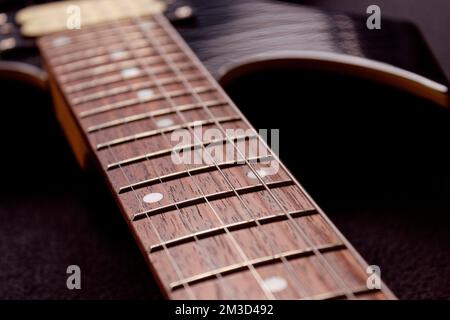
[(186, 223), (219, 168), (199, 188), (241, 252), (291, 272), (194, 133), (181, 215), (324, 262)]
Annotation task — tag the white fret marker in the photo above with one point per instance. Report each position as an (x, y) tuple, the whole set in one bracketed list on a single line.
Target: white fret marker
[(145, 94), (166, 122), (153, 197), (261, 172), (275, 284), (60, 41), (117, 55), (146, 25), (130, 72)]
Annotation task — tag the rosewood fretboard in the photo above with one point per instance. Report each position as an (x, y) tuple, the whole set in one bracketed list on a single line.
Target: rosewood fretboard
[(215, 229)]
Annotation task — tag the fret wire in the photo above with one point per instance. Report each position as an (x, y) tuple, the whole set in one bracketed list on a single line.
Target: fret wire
[(219, 277), (168, 151), (256, 274), (133, 101), (77, 50), (188, 289), (181, 174), (155, 132), (149, 114), (92, 53), (124, 89), (292, 222), (256, 262), (253, 271), (200, 66), (98, 31), (349, 246), (97, 59), (110, 79), (94, 71), (90, 44), (209, 197), (232, 227), (326, 264), (263, 287), (285, 262)]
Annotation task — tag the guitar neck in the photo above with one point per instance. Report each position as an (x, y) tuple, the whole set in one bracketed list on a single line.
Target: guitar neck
[(213, 210)]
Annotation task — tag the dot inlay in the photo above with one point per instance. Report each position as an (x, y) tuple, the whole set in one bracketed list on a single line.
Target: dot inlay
[(165, 122), (153, 197), (261, 172), (117, 55), (275, 284), (145, 94), (130, 72)]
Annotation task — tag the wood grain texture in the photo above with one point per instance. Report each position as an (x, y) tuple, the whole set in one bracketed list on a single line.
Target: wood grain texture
[(216, 233)]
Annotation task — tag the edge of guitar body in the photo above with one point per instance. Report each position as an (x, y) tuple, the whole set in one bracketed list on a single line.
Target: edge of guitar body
[(341, 63)]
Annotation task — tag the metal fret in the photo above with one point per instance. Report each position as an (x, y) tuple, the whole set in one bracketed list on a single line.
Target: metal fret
[(89, 44), (210, 197), (101, 51), (168, 151), (155, 132), (97, 71), (324, 263), (150, 114), (126, 88), (111, 67), (133, 101), (185, 173), (255, 262), (232, 227), (103, 58), (92, 52), (116, 78)]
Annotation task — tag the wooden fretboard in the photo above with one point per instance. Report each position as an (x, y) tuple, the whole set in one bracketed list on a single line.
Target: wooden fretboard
[(214, 229)]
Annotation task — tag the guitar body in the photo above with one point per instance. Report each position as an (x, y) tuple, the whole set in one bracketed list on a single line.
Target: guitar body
[(366, 144)]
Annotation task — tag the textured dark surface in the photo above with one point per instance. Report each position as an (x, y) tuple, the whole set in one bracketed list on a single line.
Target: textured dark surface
[(392, 159)]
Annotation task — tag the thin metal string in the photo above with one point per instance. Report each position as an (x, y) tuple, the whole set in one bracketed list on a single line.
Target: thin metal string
[(240, 251), (193, 180), (255, 172), (176, 267), (188, 225), (285, 262), (325, 264), (290, 271)]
